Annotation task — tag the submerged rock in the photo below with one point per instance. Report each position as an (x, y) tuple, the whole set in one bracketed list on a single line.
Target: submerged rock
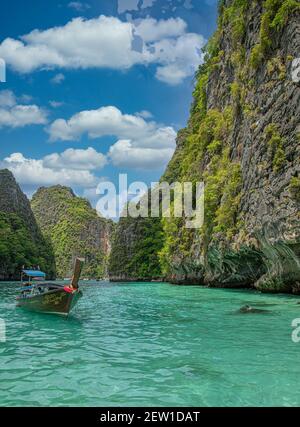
[(249, 309)]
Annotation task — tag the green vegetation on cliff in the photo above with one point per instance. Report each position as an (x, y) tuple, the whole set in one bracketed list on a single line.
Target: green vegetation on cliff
[(275, 16), (223, 253), (241, 141), (21, 241), (136, 259), (74, 229), (294, 188), (18, 248), (275, 146)]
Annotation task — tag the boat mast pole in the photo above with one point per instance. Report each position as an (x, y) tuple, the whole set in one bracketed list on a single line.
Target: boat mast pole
[(77, 271)]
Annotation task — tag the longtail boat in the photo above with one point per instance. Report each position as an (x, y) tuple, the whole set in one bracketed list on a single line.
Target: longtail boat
[(50, 297)]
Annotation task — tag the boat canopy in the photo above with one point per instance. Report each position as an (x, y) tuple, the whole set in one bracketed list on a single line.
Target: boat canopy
[(34, 273)]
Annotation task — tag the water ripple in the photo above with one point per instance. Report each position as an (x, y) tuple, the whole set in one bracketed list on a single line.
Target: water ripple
[(151, 344)]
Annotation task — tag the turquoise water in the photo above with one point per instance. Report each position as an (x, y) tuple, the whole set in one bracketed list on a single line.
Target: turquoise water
[(151, 344)]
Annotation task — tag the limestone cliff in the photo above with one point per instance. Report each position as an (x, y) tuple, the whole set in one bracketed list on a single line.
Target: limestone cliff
[(135, 246), (21, 241), (242, 140), (75, 229)]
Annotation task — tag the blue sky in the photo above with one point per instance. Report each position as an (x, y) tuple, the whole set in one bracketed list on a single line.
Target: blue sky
[(97, 88)]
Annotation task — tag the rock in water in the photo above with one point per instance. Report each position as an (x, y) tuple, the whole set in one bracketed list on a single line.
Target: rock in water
[(249, 309), (74, 229), (22, 242)]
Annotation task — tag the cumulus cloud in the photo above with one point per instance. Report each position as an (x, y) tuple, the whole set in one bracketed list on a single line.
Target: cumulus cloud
[(16, 115), (170, 74), (76, 159), (150, 29), (140, 143), (144, 114), (177, 57), (108, 42), (111, 121), (71, 168), (124, 154)]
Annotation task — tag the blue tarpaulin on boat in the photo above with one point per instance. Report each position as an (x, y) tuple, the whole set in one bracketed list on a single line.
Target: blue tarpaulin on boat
[(34, 273)]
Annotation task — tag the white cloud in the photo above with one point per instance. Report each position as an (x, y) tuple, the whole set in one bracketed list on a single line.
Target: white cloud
[(71, 168), (144, 114), (56, 104), (139, 144), (27, 58), (78, 159), (178, 58), (124, 154), (79, 6), (170, 74), (108, 42), (22, 115), (111, 121), (58, 79), (17, 115), (152, 30), (7, 98)]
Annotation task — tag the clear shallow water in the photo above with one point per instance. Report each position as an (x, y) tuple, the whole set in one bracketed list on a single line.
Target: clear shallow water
[(151, 344)]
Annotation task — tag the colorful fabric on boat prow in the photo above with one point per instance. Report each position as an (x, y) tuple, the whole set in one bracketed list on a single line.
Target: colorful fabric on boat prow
[(68, 289)]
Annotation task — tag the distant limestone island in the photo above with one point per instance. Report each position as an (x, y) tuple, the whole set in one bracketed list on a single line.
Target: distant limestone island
[(74, 229), (242, 139)]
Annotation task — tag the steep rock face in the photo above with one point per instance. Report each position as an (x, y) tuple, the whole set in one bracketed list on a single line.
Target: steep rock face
[(244, 136), (21, 240), (242, 140), (75, 229), (135, 247)]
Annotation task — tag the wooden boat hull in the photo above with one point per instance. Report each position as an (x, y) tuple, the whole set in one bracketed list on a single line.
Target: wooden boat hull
[(58, 301)]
